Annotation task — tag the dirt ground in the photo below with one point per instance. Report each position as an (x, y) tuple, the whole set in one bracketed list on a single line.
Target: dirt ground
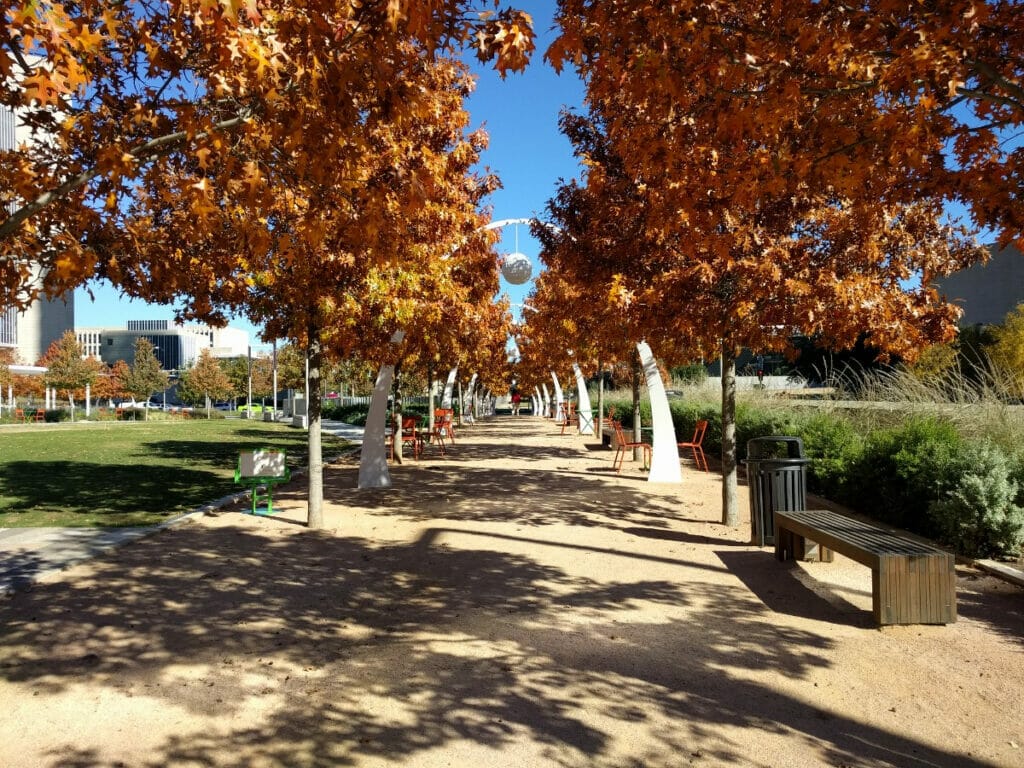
[(513, 604)]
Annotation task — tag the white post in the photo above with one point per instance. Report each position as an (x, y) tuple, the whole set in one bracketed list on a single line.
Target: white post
[(665, 453), (88, 398)]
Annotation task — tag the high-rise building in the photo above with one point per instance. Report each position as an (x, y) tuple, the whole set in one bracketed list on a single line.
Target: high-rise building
[(30, 332)]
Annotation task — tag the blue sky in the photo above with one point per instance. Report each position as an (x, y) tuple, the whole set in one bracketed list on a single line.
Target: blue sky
[(520, 113)]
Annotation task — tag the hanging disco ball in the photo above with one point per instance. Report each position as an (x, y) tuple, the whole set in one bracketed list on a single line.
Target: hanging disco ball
[(516, 268)]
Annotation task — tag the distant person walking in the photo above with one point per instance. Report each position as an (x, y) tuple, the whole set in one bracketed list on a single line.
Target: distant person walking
[(516, 399)]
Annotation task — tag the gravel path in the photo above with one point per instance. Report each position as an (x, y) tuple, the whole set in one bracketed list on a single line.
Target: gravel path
[(513, 604)]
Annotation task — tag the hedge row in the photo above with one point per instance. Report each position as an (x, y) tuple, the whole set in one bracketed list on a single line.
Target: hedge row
[(920, 475)]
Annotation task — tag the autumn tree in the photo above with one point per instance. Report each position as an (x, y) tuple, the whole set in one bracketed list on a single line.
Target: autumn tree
[(145, 375), (118, 95), (108, 382), (8, 357), (783, 184), (204, 381), (284, 143), (1007, 350), (66, 370), (372, 233)]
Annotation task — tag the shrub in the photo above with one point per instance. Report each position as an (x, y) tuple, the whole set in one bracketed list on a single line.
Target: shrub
[(754, 421), (833, 445), (902, 470), (979, 516), (350, 414)]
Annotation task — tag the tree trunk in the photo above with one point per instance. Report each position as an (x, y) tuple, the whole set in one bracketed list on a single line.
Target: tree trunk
[(600, 403), (730, 513), (637, 433), (430, 400), (396, 423), (314, 355)]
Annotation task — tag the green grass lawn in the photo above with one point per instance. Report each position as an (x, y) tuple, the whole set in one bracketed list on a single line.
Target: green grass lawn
[(129, 473)]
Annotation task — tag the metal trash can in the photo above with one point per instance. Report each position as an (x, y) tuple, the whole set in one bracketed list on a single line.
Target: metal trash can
[(777, 479)]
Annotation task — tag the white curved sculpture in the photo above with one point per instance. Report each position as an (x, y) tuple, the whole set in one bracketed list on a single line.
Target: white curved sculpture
[(373, 458), (468, 400), (586, 415), (665, 453), (446, 398), (559, 399)]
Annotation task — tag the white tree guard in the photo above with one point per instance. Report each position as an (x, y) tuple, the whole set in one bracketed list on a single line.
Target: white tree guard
[(547, 401), (665, 458), (586, 425)]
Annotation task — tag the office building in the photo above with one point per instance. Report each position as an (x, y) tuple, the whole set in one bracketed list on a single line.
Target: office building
[(987, 292), (30, 332)]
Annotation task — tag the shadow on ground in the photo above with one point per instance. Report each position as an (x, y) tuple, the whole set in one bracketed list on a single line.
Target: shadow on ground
[(348, 623)]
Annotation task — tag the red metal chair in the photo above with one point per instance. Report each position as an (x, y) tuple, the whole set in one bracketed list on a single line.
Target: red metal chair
[(411, 436), (443, 427), (622, 445), (696, 445)]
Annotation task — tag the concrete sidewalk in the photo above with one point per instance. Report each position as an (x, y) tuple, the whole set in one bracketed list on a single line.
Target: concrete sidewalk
[(28, 554)]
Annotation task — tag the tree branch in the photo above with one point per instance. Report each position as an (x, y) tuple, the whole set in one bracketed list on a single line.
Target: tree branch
[(151, 148)]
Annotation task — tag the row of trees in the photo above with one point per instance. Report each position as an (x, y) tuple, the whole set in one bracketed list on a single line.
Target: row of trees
[(755, 170), (208, 379), (306, 164)]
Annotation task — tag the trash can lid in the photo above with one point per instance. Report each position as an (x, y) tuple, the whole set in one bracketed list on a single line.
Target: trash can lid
[(775, 447)]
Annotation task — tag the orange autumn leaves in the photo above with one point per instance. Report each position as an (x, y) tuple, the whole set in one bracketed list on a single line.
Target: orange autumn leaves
[(779, 167), (126, 101)]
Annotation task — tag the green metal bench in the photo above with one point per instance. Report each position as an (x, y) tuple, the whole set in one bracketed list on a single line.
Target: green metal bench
[(261, 470)]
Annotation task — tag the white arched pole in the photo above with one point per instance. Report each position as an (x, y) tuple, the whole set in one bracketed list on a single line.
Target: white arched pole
[(665, 453), (446, 398), (373, 459), (585, 414), (468, 400), (559, 399)]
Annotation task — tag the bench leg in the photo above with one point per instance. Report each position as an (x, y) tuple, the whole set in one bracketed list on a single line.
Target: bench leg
[(792, 546), (788, 544), (910, 589)]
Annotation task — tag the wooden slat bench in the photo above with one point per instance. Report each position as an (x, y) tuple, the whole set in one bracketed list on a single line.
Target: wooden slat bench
[(911, 582)]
